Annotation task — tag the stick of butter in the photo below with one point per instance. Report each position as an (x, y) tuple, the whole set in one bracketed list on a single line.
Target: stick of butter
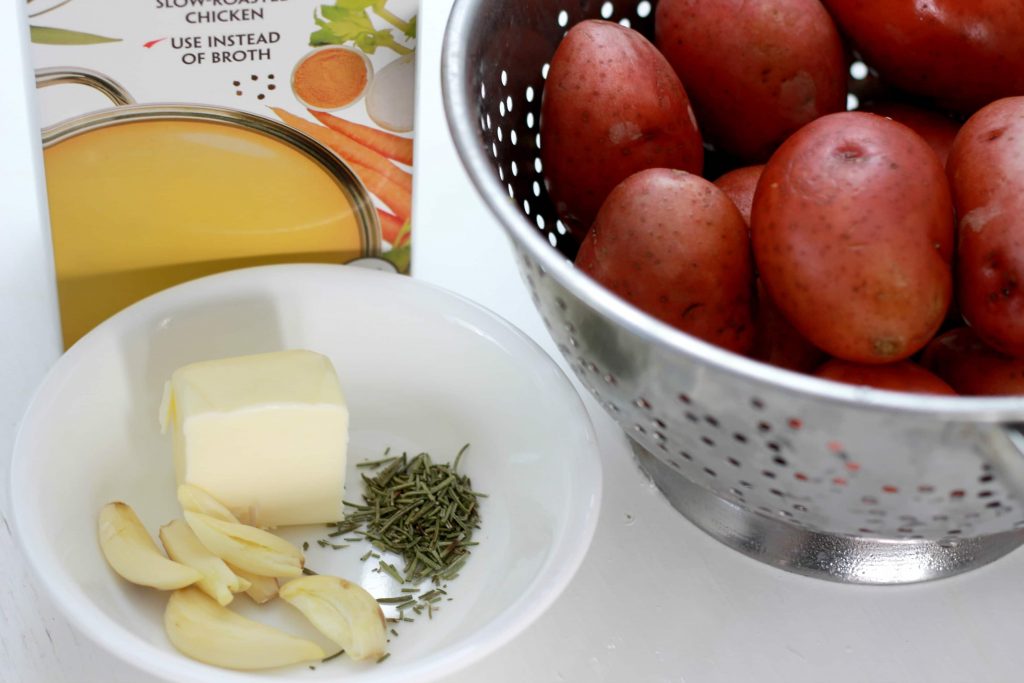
[(266, 435)]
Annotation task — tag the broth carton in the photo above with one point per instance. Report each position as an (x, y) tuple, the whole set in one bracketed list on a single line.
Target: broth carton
[(187, 137)]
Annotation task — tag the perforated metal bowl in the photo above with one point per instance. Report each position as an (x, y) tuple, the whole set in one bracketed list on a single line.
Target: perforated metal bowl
[(828, 480)]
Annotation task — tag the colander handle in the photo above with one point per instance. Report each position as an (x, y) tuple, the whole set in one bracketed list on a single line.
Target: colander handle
[(58, 75)]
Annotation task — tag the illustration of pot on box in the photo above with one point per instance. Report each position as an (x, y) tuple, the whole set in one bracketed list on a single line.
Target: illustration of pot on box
[(145, 196)]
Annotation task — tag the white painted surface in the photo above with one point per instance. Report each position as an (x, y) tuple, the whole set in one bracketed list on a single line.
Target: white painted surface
[(656, 600)]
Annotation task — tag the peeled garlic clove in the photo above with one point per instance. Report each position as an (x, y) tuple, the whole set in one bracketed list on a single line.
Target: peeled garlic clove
[(211, 633), (261, 588), (218, 581), (246, 547), (342, 611), (194, 499), (133, 554)]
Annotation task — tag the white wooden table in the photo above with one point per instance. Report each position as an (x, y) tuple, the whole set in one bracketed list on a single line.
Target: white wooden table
[(656, 599)]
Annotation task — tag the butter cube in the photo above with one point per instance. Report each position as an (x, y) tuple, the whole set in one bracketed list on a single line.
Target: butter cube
[(266, 435)]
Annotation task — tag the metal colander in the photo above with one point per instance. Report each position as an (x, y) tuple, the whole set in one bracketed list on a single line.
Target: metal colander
[(829, 480)]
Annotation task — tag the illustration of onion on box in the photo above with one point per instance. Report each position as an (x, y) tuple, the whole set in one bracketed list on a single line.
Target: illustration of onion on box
[(223, 139)]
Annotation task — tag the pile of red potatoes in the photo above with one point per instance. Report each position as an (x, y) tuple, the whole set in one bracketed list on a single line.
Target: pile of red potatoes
[(883, 246)]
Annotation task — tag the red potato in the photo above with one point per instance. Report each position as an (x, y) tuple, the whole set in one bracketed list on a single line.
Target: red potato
[(852, 227), (739, 186), (756, 71), (972, 368), (901, 376), (937, 130), (612, 106), (672, 244), (986, 171), (777, 342), (962, 53)]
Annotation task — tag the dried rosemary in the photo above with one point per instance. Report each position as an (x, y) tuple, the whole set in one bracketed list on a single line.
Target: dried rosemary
[(424, 511)]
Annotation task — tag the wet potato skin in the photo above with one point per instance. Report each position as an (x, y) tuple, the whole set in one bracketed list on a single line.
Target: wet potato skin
[(673, 244), (612, 106), (986, 172), (852, 229)]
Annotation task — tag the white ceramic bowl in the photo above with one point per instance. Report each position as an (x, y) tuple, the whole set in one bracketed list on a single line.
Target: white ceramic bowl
[(422, 369)]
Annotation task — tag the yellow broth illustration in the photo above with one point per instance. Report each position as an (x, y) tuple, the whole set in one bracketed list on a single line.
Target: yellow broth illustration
[(141, 205)]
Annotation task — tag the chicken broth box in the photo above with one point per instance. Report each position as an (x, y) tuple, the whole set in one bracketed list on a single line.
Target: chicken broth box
[(187, 137)]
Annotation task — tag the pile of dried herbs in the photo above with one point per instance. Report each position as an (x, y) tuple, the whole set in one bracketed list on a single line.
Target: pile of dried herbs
[(424, 511)]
